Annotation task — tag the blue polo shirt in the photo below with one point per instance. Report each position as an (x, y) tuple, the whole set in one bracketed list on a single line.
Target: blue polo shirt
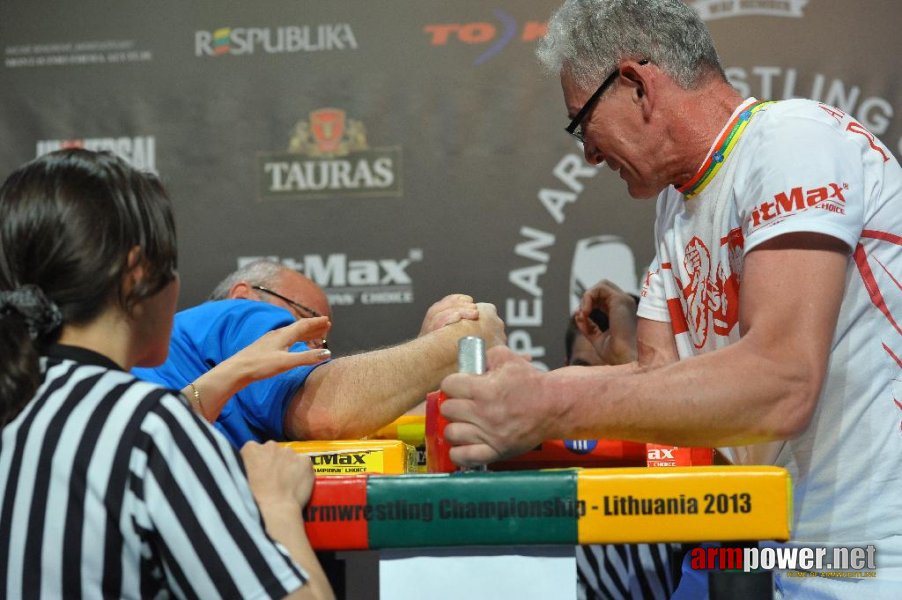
[(204, 336)]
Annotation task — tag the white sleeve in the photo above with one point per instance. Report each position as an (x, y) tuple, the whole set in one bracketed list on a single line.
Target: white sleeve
[(806, 176), (652, 297)]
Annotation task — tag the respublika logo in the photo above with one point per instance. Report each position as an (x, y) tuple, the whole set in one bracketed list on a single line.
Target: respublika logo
[(481, 33), (348, 281), (329, 156), (274, 40), (139, 151), (721, 9)]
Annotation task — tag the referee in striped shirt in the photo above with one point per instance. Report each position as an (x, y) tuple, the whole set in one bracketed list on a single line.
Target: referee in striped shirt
[(110, 486)]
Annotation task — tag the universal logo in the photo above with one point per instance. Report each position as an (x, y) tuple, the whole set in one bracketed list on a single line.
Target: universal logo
[(139, 151), (722, 9), (328, 156)]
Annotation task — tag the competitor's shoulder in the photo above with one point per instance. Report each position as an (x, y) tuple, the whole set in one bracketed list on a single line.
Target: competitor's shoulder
[(786, 114), (215, 308), (235, 309), (786, 128), (223, 318)]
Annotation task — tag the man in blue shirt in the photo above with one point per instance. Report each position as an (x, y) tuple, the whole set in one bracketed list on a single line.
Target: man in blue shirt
[(348, 397)]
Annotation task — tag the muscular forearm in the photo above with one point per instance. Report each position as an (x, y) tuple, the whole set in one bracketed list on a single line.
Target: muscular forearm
[(735, 396), (355, 395)]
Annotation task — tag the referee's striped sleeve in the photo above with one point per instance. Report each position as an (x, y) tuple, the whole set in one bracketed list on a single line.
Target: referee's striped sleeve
[(113, 487), (201, 512)]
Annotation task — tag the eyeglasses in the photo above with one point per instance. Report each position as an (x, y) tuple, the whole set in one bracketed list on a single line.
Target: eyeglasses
[(305, 311), (575, 128)]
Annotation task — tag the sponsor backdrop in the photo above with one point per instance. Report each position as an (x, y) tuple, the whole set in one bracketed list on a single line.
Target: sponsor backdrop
[(393, 151)]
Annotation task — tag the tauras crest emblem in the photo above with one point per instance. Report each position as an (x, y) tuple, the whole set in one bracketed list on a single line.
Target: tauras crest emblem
[(328, 133)]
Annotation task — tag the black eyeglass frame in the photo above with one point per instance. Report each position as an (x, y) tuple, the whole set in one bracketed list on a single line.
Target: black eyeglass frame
[(296, 305), (574, 128)]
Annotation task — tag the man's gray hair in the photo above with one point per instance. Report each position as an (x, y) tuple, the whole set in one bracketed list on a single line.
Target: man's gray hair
[(588, 38), (259, 272)]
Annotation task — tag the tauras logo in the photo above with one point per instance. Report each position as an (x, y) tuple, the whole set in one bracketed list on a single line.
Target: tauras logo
[(139, 151), (328, 155), (274, 40), (721, 9), (371, 281), (829, 197)]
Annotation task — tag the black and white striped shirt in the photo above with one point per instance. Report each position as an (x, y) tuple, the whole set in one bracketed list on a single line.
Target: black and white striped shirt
[(625, 571), (113, 487)]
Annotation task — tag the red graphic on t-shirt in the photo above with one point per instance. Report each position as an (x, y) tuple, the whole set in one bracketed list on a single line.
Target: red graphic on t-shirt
[(726, 314), (697, 262), (857, 128), (711, 303), (878, 297)]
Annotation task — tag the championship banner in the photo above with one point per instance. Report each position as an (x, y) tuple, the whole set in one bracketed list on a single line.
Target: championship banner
[(568, 506)]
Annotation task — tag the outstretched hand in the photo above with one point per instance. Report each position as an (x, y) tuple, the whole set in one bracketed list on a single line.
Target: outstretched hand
[(266, 357), (271, 354)]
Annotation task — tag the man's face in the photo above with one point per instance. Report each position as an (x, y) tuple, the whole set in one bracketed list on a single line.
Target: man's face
[(616, 133)]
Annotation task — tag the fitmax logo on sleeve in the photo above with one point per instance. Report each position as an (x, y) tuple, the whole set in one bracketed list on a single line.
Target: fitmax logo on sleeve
[(829, 197)]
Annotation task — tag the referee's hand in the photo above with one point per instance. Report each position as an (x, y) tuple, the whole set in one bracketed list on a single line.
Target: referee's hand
[(277, 475)]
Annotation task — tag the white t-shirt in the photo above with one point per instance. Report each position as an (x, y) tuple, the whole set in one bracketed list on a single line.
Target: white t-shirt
[(801, 166)]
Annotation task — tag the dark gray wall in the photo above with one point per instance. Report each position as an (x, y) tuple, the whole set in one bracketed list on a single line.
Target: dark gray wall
[(453, 137)]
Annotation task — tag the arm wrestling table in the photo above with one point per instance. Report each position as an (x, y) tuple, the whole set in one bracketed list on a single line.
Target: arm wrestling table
[(512, 534)]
